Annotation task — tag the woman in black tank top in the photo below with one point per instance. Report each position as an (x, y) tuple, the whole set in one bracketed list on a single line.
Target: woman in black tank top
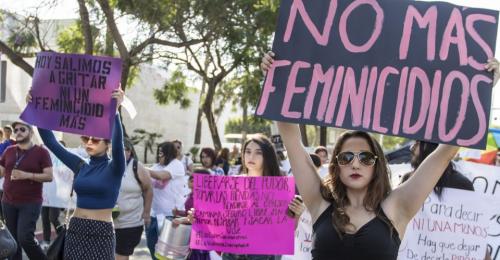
[(355, 213)]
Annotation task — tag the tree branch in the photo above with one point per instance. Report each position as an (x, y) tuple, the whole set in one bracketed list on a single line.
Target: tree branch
[(87, 30), (111, 23), (16, 58), (36, 22)]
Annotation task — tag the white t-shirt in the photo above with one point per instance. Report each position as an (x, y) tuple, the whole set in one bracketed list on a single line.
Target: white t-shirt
[(186, 161), (323, 171), (168, 195)]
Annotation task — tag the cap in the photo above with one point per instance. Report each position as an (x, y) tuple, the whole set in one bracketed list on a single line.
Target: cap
[(21, 123)]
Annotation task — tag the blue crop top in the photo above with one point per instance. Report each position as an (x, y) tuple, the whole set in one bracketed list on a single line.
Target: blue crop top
[(97, 183)]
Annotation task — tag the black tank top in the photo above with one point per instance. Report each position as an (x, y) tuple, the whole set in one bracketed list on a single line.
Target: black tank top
[(371, 241)]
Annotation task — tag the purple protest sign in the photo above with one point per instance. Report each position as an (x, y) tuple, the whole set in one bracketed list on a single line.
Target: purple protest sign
[(243, 215), (72, 93)]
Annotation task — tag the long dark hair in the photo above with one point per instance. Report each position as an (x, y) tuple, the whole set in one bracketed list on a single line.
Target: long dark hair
[(210, 153), (169, 151), (334, 191), (270, 164), (424, 150)]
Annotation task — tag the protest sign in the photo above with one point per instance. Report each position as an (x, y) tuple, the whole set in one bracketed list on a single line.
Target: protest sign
[(408, 68), (303, 239), (486, 180), (454, 226), (72, 93), (57, 193), (243, 215)]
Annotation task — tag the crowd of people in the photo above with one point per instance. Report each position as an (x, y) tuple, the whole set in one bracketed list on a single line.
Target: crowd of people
[(347, 193)]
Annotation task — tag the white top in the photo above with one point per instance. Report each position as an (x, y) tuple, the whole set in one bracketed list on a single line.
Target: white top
[(323, 171), (130, 201), (286, 167), (168, 195), (186, 161)]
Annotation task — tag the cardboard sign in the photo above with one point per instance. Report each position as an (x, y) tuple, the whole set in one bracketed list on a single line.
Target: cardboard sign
[(243, 215), (452, 227), (486, 180), (72, 93), (407, 68)]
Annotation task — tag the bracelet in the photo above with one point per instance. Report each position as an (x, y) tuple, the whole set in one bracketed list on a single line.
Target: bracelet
[(33, 177)]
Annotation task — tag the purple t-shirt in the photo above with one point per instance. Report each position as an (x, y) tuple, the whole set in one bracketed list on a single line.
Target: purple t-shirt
[(34, 160)]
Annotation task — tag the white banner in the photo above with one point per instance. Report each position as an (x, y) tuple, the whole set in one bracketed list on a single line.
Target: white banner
[(454, 226), (303, 239), (57, 192), (486, 180)]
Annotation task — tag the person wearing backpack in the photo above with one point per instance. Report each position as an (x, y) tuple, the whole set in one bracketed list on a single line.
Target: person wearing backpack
[(134, 204)]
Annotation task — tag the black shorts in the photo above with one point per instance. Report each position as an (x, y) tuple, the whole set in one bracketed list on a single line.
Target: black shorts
[(127, 239)]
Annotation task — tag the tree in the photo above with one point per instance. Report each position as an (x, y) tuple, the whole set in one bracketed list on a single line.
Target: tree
[(256, 125), (234, 34), (148, 139)]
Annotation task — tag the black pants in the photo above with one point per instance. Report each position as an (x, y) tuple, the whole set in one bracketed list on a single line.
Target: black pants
[(21, 222), (50, 215)]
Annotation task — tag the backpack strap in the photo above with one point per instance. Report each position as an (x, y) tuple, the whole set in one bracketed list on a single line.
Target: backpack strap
[(134, 169)]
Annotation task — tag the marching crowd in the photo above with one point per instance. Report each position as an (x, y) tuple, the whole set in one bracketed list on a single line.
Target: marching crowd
[(355, 212)]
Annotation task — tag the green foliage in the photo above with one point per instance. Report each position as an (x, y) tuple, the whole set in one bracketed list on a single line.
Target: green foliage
[(175, 90), (255, 125), (71, 39), (148, 139)]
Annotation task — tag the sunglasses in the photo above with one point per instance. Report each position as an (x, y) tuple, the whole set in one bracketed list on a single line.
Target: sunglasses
[(93, 140), (20, 129), (365, 158)]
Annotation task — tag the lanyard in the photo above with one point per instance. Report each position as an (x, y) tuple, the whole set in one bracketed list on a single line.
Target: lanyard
[(20, 158)]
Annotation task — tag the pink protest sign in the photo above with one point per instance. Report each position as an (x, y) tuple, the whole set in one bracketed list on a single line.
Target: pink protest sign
[(243, 215), (72, 93)]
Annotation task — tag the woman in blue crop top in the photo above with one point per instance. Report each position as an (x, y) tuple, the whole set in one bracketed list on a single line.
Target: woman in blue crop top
[(355, 213), (90, 233)]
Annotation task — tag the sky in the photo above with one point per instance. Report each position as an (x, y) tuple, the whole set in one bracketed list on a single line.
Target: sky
[(68, 9)]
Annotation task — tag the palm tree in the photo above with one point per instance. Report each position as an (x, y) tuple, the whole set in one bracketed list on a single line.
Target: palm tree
[(148, 139)]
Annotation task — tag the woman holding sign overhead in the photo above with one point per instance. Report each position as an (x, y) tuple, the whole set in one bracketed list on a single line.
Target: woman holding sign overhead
[(90, 233), (258, 160), (355, 213)]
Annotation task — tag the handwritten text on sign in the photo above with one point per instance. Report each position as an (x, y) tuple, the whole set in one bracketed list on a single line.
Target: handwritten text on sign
[(243, 215), (486, 180), (453, 227), (408, 68), (72, 93)]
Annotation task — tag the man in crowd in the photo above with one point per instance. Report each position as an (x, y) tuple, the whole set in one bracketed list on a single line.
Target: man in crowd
[(25, 167)]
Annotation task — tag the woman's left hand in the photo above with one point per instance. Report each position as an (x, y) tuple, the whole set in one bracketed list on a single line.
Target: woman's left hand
[(297, 206), (493, 66), (118, 95)]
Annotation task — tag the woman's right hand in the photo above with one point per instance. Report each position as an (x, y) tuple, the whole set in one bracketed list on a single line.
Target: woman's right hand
[(29, 98), (267, 61), (190, 216)]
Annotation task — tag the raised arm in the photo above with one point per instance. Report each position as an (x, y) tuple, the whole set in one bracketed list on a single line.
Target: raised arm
[(118, 151), (69, 159), (408, 198), (306, 177)]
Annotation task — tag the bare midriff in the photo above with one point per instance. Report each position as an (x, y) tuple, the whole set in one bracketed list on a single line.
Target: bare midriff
[(94, 214)]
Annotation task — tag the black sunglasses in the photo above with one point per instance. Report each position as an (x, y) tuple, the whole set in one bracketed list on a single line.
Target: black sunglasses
[(20, 129), (365, 158), (93, 140)]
